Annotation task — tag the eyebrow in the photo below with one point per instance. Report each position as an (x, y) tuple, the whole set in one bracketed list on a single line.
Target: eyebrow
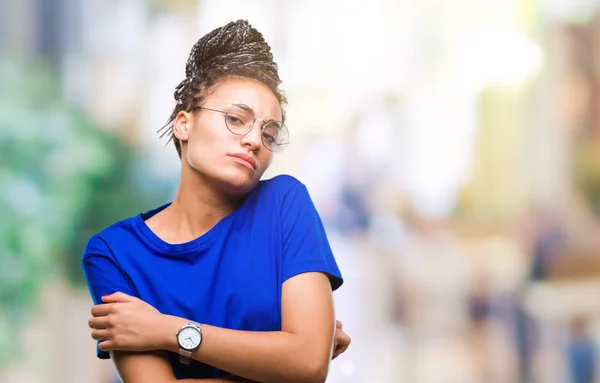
[(243, 106), (249, 109)]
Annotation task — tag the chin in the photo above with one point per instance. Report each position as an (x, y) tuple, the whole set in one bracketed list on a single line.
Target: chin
[(240, 185)]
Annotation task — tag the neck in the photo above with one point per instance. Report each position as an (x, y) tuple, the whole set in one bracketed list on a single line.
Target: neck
[(197, 206)]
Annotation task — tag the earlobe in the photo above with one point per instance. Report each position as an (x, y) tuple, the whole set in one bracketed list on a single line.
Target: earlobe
[(180, 131)]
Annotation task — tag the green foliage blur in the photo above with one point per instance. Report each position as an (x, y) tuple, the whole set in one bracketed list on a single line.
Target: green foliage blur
[(62, 179), (587, 173)]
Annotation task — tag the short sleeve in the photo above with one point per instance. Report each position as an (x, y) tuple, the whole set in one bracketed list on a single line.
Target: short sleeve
[(305, 244), (103, 275)]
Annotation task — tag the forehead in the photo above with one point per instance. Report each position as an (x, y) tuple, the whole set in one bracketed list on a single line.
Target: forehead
[(249, 92)]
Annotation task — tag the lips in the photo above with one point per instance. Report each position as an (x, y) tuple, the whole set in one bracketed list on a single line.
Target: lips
[(245, 159)]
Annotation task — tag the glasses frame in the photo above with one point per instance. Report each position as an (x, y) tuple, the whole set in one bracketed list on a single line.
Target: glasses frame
[(251, 125)]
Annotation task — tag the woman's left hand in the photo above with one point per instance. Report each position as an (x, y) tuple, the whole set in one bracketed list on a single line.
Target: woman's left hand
[(126, 323), (341, 340)]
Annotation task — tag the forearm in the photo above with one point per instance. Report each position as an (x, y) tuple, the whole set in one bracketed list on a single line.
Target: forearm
[(142, 367), (207, 380), (261, 356)]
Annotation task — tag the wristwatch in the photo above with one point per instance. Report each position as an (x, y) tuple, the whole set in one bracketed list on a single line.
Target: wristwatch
[(189, 338)]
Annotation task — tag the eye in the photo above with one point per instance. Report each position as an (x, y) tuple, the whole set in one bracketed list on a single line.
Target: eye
[(234, 120), (270, 139), (238, 116)]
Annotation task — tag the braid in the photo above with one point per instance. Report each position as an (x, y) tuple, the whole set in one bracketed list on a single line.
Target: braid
[(236, 49)]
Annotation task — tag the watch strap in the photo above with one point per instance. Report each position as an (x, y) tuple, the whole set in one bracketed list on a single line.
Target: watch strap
[(185, 356)]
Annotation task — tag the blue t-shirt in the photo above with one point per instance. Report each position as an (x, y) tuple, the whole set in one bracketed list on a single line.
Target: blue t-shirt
[(229, 277)]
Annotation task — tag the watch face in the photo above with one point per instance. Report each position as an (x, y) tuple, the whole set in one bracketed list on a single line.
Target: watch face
[(189, 338)]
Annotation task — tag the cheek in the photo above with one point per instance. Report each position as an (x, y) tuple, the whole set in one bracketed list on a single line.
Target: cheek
[(202, 149), (270, 158), (265, 159), (193, 158)]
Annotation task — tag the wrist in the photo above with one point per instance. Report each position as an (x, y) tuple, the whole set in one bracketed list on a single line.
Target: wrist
[(170, 324)]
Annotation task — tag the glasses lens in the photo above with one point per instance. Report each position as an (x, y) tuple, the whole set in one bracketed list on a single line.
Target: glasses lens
[(239, 119), (275, 136)]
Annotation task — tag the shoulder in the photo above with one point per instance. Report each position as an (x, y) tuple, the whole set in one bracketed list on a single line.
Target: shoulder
[(280, 193), (121, 235), (284, 193), (280, 186), (100, 242)]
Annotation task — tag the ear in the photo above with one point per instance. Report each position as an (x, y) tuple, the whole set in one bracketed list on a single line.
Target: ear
[(181, 125)]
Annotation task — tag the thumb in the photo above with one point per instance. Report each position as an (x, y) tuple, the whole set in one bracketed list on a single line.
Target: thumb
[(116, 297)]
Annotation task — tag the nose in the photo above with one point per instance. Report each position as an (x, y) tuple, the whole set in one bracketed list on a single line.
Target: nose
[(253, 138)]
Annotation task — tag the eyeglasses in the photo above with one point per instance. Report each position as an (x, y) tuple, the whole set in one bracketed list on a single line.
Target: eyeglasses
[(240, 120)]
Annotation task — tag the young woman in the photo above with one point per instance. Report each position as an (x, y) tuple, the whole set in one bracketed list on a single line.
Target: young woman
[(234, 278)]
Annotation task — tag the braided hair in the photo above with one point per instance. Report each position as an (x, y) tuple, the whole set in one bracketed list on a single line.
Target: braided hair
[(236, 49)]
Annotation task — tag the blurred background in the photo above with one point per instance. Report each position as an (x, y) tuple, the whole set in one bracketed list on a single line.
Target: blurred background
[(451, 147)]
